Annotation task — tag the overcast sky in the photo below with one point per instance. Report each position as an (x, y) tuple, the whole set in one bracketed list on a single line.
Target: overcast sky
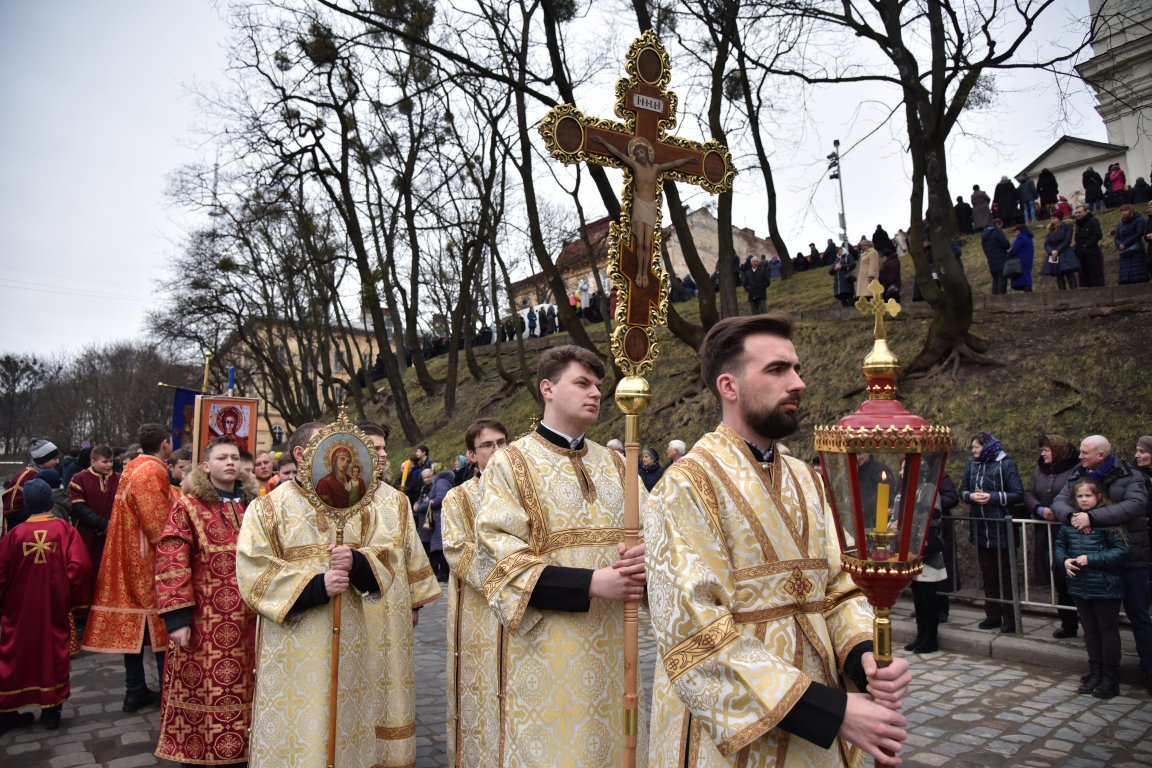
[(98, 110)]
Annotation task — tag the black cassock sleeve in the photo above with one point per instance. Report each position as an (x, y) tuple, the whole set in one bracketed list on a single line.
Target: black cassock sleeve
[(562, 589)]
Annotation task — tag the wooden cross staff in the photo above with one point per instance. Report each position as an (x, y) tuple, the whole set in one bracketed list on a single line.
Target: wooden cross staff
[(642, 147)]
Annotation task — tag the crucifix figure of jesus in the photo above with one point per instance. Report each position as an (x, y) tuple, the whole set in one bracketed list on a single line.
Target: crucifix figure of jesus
[(643, 146)]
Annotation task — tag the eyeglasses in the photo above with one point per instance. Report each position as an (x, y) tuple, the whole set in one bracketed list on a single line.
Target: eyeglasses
[(491, 444)]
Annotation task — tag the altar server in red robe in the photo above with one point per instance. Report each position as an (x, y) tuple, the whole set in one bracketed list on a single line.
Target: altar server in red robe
[(44, 571), (92, 492), (209, 670)]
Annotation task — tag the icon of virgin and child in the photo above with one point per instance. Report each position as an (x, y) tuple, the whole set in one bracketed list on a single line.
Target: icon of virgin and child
[(343, 485)]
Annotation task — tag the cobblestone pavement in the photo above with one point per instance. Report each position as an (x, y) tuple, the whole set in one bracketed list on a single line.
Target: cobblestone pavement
[(964, 711)]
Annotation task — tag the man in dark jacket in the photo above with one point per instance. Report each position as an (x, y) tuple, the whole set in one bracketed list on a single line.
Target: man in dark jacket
[(1087, 247), (1128, 492), (756, 282), (1028, 197), (996, 245), (963, 213)]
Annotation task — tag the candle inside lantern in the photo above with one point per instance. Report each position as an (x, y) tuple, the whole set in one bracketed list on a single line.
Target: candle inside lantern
[(882, 503)]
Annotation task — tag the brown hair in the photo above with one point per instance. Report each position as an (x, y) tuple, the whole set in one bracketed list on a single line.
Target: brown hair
[(216, 442), (723, 348), (1095, 486), (478, 426), (302, 435), (553, 361), (1127, 207), (1059, 445), (152, 436), (102, 452), (183, 454)]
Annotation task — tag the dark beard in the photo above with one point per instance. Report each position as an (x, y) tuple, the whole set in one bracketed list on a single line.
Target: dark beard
[(775, 424)]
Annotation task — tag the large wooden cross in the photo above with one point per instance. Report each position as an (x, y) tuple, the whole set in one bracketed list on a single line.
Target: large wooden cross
[(642, 146)]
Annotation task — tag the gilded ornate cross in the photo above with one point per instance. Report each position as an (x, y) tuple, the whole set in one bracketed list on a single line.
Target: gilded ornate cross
[(877, 307), (40, 547), (642, 146)]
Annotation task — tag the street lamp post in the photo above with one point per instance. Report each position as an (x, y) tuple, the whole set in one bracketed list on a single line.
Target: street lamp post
[(834, 167)]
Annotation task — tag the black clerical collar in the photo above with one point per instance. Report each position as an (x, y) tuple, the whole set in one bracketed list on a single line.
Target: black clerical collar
[(559, 439), (759, 455)]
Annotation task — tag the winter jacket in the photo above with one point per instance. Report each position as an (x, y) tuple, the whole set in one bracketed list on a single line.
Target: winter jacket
[(999, 477), (1107, 551), (756, 282), (996, 246), (442, 482), (1007, 201), (1088, 236), (1027, 191), (842, 279), (1059, 240), (1117, 180), (1047, 482), (868, 268), (1047, 187), (1093, 186), (1141, 192), (1023, 248), (981, 209), (1130, 243), (650, 474), (1128, 491), (889, 276)]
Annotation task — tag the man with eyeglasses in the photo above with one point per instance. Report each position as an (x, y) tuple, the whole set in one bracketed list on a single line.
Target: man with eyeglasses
[(474, 633), (551, 559)]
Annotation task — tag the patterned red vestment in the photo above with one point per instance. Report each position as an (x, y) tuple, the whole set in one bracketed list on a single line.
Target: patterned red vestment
[(44, 570), (98, 492), (125, 600), (206, 701)]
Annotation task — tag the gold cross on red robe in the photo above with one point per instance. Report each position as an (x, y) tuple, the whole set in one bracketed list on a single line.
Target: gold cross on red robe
[(642, 146), (40, 547)]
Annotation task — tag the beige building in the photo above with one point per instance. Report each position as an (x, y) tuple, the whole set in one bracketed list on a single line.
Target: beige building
[(578, 258), (327, 371)]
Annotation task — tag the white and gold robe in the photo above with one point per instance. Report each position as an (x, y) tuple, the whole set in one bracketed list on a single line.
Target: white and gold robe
[(748, 604), (283, 543), (474, 640), (562, 682)]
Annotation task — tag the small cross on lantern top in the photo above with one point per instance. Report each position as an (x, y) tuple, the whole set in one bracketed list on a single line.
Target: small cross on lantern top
[(877, 307)]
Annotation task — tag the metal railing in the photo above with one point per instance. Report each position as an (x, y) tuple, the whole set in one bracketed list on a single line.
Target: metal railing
[(1027, 553)]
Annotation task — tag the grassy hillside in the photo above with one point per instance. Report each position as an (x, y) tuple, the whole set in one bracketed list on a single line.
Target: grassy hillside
[(1075, 372)]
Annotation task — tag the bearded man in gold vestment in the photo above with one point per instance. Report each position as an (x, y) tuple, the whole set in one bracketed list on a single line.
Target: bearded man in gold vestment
[(552, 565), (755, 622), (288, 568)]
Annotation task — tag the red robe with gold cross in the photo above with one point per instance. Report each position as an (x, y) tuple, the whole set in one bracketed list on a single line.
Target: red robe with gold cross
[(14, 492), (44, 570), (208, 685), (97, 492)]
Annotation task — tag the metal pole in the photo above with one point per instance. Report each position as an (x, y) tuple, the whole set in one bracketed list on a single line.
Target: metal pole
[(840, 180)]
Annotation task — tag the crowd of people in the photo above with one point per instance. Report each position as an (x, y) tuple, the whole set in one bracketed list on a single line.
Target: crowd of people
[(227, 571)]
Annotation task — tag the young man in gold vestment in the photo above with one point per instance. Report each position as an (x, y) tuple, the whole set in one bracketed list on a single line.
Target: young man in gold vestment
[(475, 636), (551, 562), (755, 622), (288, 568)]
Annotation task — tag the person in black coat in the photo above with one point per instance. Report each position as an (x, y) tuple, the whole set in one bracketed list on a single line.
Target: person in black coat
[(1007, 201), (963, 213), (995, 244), (1086, 243), (1056, 462), (1048, 188), (1093, 188), (882, 242), (650, 469), (756, 282)]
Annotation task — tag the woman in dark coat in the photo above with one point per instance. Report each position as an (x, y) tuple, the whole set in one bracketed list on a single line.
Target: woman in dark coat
[(650, 469), (991, 487), (981, 208), (843, 282), (1007, 201), (1057, 460), (1059, 259), (1093, 189), (1047, 187), (1130, 242)]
